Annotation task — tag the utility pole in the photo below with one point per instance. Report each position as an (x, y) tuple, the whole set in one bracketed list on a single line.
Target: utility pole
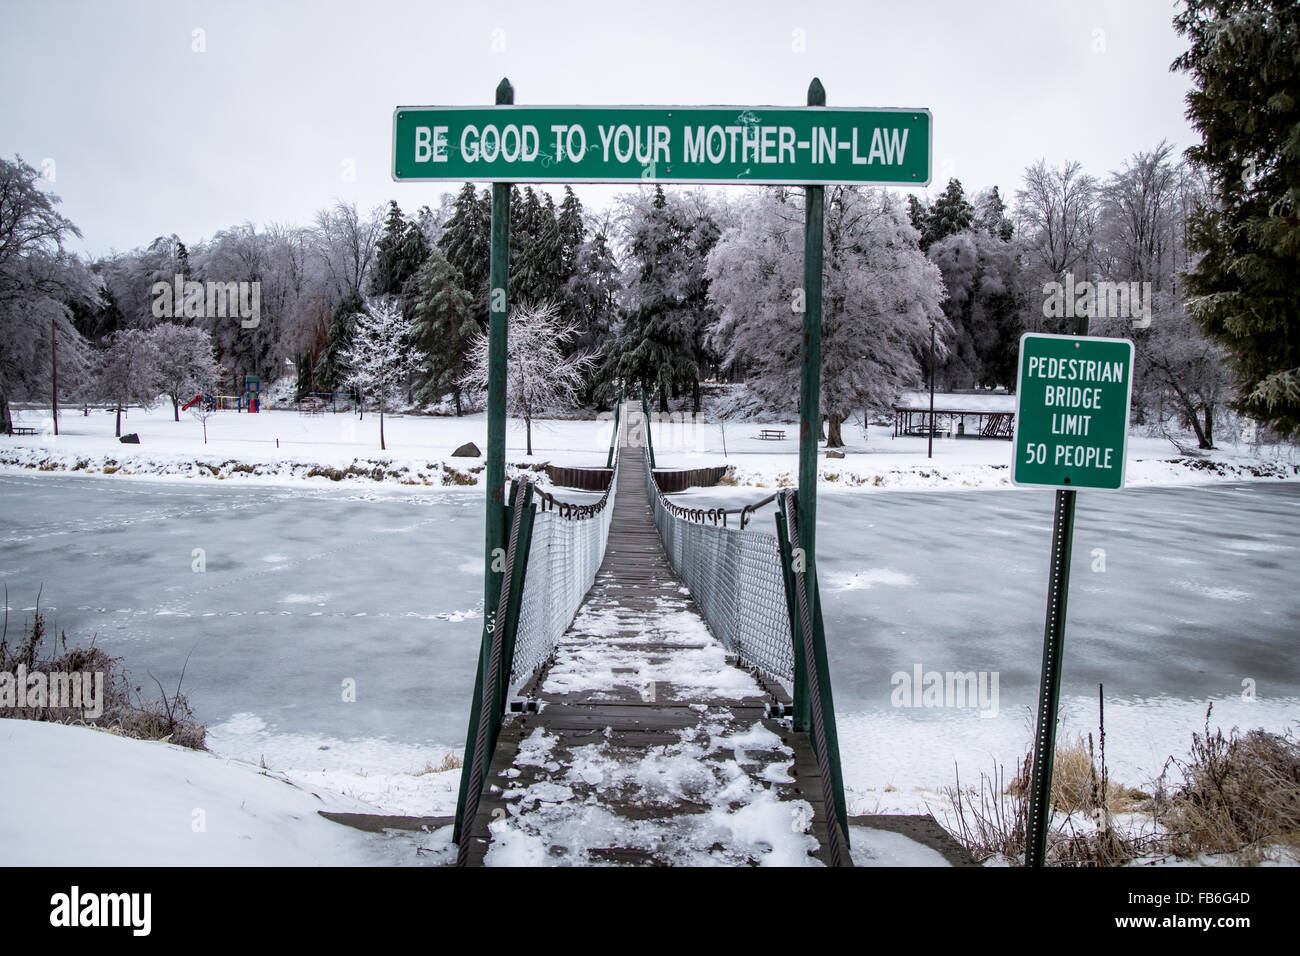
[(54, 378), (929, 453)]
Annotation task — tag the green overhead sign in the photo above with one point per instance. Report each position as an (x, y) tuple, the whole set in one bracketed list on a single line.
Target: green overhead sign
[(1072, 407), (813, 145)]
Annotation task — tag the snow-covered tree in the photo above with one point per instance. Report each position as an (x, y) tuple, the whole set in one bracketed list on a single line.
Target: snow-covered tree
[(880, 296), (39, 279), (185, 362), (539, 377), (662, 346), (981, 274), (592, 303), (1241, 63), (128, 371), (1056, 217), (379, 357)]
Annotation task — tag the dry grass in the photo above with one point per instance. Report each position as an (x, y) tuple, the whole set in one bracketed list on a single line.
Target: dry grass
[(1239, 794), (1076, 783), (992, 822), (449, 762), (167, 717)]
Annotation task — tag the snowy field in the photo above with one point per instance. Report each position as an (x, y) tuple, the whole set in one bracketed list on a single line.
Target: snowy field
[(307, 583), (284, 447)]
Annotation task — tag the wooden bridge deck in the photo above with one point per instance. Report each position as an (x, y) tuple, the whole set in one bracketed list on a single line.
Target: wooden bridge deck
[(650, 745)]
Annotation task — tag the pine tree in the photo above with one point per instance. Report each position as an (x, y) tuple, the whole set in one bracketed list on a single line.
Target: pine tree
[(991, 215), (443, 328), (467, 243), (1242, 63), (591, 304), (572, 232), (917, 213), (332, 368), (948, 215), (387, 253)]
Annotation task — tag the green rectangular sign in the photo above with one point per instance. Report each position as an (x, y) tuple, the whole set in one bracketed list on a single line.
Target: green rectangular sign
[(813, 145), (1072, 405)]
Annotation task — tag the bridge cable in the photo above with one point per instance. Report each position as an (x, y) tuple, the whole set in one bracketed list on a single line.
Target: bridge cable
[(488, 701), (835, 838)]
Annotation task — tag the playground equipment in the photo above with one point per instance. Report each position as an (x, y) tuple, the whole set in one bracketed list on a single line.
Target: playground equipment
[(250, 400), (192, 402)]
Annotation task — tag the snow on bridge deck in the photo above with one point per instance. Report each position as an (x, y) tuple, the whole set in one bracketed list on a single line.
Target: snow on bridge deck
[(651, 746)]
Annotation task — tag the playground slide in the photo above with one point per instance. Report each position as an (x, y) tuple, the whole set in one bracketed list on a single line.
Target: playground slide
[(193, 401)]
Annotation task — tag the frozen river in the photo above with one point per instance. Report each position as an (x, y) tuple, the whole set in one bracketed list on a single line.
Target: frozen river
[(304, 589)]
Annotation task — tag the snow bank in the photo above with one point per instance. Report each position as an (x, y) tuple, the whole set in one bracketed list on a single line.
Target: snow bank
[(143, 803)]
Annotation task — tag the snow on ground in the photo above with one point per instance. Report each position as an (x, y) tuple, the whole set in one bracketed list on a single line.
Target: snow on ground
[(284, 447), (142, 803), (872, 847), (1197, 597)]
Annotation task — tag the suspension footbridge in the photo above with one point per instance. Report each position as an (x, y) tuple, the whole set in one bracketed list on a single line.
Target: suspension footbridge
[(634, 703)]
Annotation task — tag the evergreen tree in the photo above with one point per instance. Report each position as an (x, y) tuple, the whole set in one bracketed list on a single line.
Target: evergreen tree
[(572, 230), (332, 367), (917, 213), (443, 328), (1242, 63), (399, 254), (981, 274), (591, 299), (655, 352), (467, 244), (991, 215), (948, 215), (382, 280)]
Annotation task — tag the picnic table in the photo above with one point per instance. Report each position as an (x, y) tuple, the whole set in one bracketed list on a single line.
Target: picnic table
[(771, 434), (22, 430)]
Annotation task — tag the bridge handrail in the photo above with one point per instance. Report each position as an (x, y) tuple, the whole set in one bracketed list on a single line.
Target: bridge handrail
[(736, 578), (567, 547), (714, 515)]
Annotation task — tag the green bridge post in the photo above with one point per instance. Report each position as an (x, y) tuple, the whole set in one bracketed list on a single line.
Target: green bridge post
[(495, 471), (806, 499)]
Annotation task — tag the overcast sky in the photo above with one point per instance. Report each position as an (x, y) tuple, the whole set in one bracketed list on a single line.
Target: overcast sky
[(149, 137)]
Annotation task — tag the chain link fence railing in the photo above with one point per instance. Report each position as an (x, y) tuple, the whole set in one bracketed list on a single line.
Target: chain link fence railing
[(736, 578), (567, 549)]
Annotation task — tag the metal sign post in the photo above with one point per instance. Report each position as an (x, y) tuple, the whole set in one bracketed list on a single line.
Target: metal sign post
[(1072, 405), (495, 470)]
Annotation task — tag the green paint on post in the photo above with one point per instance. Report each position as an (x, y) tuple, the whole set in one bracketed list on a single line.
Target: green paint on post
[(810, 393), (802, 715), (495, 521)]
